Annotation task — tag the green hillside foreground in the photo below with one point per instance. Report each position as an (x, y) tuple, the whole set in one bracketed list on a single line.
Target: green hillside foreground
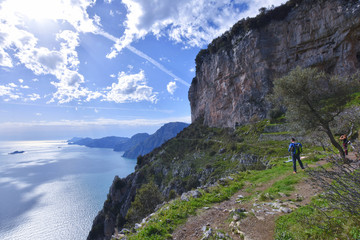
[(273, 183)]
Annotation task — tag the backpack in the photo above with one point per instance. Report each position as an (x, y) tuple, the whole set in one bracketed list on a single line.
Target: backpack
[(296, 149)]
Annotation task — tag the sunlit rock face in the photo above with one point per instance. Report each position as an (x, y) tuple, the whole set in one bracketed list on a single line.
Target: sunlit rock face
[(235, 73)]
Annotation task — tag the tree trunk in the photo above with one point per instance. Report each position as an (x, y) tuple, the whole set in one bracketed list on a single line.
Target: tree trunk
[(334, 142)]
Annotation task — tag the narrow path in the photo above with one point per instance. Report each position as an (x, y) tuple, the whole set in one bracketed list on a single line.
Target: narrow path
[(219, 217), (260, 221)]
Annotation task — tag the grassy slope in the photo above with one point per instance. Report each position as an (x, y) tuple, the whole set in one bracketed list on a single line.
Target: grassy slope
[(207, 142)]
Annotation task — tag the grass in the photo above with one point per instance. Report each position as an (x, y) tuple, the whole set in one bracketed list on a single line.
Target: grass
[(310, 223), (176, 212)]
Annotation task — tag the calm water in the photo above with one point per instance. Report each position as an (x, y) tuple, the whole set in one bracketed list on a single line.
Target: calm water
[(54, 190)]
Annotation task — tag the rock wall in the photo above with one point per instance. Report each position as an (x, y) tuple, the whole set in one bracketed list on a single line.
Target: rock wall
[(232, 81)]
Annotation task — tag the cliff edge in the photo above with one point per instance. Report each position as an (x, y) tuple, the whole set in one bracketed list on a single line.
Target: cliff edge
[(235, 72)]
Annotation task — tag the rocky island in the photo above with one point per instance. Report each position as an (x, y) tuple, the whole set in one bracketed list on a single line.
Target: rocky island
[(17, 152)]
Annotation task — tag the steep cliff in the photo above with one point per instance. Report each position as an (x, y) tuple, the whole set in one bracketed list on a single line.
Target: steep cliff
[(235, 72)]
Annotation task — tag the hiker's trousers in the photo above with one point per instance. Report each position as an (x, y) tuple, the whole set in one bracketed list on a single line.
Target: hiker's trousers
[(294, 158)]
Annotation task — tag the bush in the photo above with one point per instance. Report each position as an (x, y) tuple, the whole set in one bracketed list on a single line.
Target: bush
[(146, 199), (341, 184)]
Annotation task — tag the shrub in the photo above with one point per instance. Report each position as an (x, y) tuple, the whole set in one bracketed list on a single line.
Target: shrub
[(146, 199)]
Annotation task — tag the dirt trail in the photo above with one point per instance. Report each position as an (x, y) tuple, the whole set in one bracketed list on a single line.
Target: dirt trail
[(260, 221)]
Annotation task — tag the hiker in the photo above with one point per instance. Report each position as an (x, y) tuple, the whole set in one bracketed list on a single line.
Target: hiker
[(295, 149), (345, 143)]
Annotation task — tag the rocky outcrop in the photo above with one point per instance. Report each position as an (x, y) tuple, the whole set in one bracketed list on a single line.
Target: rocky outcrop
[(235, 73)]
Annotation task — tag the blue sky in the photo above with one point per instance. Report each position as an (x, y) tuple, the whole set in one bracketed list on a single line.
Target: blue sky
[(103, 67)]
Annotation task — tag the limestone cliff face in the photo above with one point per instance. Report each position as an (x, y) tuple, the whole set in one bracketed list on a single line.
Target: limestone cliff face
[(235, 73)]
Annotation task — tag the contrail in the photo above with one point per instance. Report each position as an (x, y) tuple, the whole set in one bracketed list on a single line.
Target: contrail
[(146, 57)]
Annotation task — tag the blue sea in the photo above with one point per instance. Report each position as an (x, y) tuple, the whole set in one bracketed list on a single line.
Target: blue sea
[(54, 190)]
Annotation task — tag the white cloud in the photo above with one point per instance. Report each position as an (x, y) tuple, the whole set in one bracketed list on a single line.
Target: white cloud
[(5, 90), (21, 80), (9, 92), (24, 46), (97, 122), (17, 12), (171, 87), (97, 20), (33, 97), (193, 22), (5, 59), (130, 88)]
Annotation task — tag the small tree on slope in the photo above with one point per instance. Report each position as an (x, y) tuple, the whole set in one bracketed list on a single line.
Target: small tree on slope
[(314, 100)]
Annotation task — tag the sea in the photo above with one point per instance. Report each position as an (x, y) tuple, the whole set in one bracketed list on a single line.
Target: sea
[(54, 190)]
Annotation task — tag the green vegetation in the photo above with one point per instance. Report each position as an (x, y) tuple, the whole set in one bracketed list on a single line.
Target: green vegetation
[(309, 222), (146, 199), (176, 212)]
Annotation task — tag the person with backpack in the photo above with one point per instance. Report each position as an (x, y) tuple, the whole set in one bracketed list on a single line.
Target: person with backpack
[(295, 148)]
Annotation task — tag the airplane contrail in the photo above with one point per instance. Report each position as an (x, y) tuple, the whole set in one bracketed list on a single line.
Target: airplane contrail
[(146, 57)]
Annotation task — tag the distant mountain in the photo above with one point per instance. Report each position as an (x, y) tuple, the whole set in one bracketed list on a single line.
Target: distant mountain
[(155, 140), (139, 144), (106, 142), (134, 141)]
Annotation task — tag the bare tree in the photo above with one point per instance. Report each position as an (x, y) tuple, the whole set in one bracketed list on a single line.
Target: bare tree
[(341, 183)]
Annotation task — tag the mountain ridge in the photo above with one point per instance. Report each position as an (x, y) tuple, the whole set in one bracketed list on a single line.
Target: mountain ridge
[(138, 144)]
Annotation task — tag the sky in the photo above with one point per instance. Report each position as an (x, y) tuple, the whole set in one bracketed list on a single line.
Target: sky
[(96, 68)]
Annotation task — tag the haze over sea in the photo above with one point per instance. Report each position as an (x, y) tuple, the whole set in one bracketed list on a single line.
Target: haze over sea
[(54, 190)]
